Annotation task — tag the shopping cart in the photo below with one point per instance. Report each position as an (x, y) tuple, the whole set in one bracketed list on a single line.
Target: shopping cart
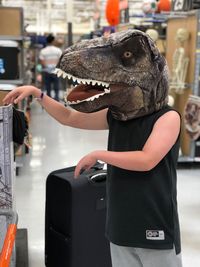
[(6, 252)]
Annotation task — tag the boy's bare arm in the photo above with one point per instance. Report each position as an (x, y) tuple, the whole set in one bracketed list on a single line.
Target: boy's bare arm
[(66, 116), (70, 117), (161, 140)]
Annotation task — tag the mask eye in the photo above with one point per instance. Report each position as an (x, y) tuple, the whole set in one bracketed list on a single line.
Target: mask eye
[(127, 54)]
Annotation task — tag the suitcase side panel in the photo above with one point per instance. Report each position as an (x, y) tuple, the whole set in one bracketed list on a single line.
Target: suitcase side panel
[(88, 230), (57, 222)]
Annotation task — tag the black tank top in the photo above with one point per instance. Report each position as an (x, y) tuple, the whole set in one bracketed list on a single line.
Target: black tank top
[(142, 206)]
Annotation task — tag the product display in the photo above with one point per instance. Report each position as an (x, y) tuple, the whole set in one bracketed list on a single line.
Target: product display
[(180, 62), (181, 5), (75, 219), (112, 12), (196, 4), (182, 37), (153, 34), (6, 154), (164, 5), (192, 117), (6, 169), (7, 250), (149, 6), (185, 5), (12, 56), (9, 60)]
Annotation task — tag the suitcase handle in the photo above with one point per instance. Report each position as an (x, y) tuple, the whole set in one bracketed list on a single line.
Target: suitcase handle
[(98, 177)]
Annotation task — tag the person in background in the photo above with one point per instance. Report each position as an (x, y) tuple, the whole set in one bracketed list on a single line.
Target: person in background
[(49, 57)]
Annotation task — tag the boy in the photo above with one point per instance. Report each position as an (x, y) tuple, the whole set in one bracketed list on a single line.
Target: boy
[(142, 220)]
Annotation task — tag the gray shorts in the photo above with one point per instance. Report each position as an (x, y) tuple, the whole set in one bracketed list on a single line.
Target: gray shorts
[(140, 257)]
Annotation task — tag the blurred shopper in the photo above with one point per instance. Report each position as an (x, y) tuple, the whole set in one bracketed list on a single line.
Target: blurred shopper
[(49, 57)]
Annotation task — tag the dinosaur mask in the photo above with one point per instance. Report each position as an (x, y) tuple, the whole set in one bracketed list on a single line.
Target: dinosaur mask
[(124, 72)]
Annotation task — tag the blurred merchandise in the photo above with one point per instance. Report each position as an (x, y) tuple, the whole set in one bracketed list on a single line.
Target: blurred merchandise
[(164, 5), (112, 12), (185, 5), (149, 6)]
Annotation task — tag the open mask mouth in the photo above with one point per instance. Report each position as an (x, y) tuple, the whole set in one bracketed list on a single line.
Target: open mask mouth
[(85, 90)]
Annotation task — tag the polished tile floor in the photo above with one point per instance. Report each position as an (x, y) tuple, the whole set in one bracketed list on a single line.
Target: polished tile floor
[(55, 146)]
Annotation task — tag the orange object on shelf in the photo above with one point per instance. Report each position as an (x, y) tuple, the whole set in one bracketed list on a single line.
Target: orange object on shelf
[(9, 240), (113, 12), (164, 5)]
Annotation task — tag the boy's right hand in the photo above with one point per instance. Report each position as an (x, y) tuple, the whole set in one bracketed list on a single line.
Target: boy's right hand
[(19, 93)]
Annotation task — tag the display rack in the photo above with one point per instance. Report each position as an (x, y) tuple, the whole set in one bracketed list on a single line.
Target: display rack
[(7, 173), (191, 21), (12, 28)]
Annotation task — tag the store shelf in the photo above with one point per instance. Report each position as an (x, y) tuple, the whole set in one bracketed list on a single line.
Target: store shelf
[(188, 162), (14, 82), (51, 16), (190, 20), (11, 38)]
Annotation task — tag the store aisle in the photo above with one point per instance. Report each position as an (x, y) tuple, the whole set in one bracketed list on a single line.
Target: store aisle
[(56, 146)]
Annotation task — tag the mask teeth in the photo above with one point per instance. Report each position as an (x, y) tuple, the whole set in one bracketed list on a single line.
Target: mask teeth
[(92, 98), (56, 70), (61, 73)]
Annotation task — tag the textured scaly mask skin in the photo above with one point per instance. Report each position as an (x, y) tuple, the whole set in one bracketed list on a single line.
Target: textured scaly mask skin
[(124, 72)]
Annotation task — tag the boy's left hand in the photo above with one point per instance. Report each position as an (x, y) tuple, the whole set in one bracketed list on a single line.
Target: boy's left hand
[(85, 163)]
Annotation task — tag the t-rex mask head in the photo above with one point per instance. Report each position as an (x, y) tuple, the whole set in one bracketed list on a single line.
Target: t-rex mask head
[(124, 72)]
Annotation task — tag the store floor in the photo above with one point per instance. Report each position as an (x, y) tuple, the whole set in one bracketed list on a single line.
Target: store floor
[(55, 146)]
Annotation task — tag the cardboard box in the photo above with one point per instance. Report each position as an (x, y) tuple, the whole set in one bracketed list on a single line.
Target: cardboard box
[(4, 90), (3, 93), (6, 165), (6, 156), (11, 21)]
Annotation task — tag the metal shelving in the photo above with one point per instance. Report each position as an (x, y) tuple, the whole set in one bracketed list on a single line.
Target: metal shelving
[(17, 36), (51, 15), (193, 158)]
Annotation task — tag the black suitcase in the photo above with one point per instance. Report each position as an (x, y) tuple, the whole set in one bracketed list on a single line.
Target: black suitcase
[(75, 219)]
